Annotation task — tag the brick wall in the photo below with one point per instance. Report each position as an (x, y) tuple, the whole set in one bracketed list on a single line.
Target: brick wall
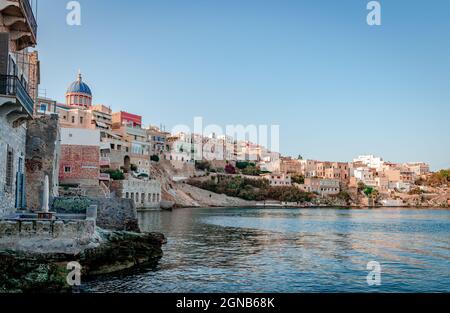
[(84, 164)]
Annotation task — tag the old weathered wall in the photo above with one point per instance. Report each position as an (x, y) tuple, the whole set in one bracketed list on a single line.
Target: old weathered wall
[(82, 162), (116, 214), (42, 158), (14, 137)]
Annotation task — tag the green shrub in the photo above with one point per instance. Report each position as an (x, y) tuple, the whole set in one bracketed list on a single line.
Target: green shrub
[(251, 189), (251, 171), (298, 179), (202, 165), (114, 174)]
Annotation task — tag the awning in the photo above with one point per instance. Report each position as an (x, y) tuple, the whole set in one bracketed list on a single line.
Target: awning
[(101, 124)]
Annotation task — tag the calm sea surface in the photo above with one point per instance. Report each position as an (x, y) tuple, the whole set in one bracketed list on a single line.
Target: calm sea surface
[(293, 250)]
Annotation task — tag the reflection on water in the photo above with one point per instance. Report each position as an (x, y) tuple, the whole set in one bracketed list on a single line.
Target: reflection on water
[(290, 250)]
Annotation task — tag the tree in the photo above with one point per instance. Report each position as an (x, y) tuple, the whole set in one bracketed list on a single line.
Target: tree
[(441, 178), (133, 167), (369, 191), (202, 165), (361, 186), (345, 196), (114, 174), (300, 157), (154, 158), (244, 164), (298, 179), (251, 171)]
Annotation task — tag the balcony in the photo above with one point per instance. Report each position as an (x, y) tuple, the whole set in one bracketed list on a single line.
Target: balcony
[(105, 162), (15, 102), (18, 16), (104, 177)]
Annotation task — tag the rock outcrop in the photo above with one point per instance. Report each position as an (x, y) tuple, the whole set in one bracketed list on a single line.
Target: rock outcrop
[(111, 251)]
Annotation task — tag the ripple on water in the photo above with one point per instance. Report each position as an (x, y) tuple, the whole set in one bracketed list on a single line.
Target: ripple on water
[(292, 250)]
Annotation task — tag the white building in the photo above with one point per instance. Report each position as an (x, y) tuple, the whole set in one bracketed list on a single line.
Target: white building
[(418, 168), (400, 186), (308, 168), (278, 179), (370, 161), (80, 137), (146, 194)]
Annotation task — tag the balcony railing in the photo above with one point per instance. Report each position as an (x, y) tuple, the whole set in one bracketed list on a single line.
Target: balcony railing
[(11, 86), (104, 161), (104, 177), (29, 15)]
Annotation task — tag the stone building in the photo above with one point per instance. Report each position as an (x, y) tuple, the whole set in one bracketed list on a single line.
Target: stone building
[(18, 30), (289, 165), (145, 193), (129, 127), (278, 179), (321, 186), (158, 140), (80, 157), (42, 158), (45, 106)]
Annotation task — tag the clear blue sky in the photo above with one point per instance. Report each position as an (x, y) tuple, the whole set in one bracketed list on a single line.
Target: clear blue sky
[(337, 87)]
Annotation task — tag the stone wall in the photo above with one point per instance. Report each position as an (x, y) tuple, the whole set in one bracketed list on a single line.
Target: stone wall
[(79, 229), (42, 158), (15, 138), (116, 214), (144, 193)]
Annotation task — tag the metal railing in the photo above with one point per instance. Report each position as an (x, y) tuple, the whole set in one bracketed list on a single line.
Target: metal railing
[(26, 5), (104, 161), (11, 86)]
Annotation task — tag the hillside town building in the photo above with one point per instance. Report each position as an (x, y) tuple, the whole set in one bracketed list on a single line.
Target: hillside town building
[(278, 179), (321, 186), (18, 79)]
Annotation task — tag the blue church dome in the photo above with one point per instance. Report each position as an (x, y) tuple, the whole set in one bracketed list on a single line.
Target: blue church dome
[(79, 87)]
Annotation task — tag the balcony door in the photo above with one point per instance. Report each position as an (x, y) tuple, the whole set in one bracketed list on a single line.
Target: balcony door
[(20, 185)]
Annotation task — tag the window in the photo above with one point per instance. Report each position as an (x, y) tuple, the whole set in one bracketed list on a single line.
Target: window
[(73, 119), (9, 169), (42, 108), (67, 169), (81, 120), (127, 195), (142, 198)]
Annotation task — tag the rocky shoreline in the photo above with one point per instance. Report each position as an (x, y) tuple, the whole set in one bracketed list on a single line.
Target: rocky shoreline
[(25, 271)]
